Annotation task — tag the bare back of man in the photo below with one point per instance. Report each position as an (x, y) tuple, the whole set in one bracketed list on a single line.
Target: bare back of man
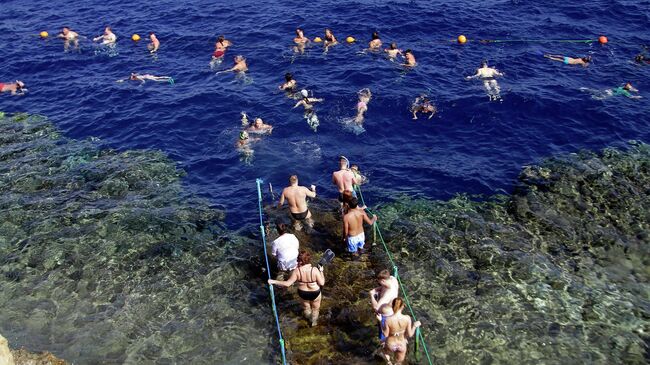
[(296, 197), (343, 180), (353, 227)]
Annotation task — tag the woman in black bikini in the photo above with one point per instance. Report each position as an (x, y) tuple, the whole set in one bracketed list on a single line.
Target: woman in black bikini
[(310, 279)]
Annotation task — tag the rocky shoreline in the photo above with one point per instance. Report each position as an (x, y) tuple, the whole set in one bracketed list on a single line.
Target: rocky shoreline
[(24, 357)]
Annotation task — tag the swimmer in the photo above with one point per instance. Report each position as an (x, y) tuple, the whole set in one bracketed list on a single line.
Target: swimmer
[(375, 43), (296, 197), (423, 105), (582, 61), (310, 279), (289, 85), (155, 43), (308, 104), (142, 78), (396, 329), (329, 40), (68, 37), (362, 105), (14, 88), (488, 75), (108, 38), (220, 48), (244, 119), (642, 59), (240, 65), (625, 90), (393, 51), (259, 127), (409, 59), (300, 40)]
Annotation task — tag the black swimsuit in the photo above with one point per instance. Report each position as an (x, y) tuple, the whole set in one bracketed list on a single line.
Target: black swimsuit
[(308, 295)]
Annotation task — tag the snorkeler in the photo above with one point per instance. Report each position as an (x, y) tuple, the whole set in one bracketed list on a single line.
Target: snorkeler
[(289, 85), (625, 90), (142, 78), (14, 88), (423, 105), (582, 61), (642, 59), (396, 329), (297, 199), (375, 43), (329, 40), (259, 127), (488, 75), (68, 37), (409, 59), (155, 43), (345, 179), (362, 105), (393, 51), (300, 40), (310, 279), (308, 104), (108, 38), (353, 227)]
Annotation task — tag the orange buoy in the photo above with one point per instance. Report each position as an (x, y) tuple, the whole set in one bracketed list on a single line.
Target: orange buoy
[(135, 37), (462, 39), (602, 39)]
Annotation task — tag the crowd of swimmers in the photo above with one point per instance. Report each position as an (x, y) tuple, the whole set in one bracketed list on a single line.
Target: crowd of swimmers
[(294, 266)]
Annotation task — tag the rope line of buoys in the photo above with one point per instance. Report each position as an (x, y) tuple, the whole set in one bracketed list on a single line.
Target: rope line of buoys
[(268, 271), (377, 233)]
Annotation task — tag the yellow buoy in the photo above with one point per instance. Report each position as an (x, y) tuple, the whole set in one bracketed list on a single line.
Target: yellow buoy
[(135, 37), (317, 40), (350, 39), (44, 34), (462, 39)]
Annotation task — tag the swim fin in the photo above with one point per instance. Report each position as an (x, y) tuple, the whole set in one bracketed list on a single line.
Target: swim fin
[(327, 258)]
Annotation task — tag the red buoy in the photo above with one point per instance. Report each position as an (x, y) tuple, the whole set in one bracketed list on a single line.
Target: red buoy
[(602, 39)]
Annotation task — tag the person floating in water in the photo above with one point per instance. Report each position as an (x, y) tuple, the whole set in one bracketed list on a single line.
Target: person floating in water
[(329, 40), (392, 51), (155, 43), (296, 197), (409, 59), (285, 250), (353, 227), (300, 40), (69, 37), (259, 127), (310, 279), (240, 66), (396, 329), (308, 104), (642, 59), (289, 86), (375, 42), (15, 88), (142, 78), (423, 105), (582, 61), (488, 75), (108, 38), (625, 90), (362, 105), (220, 48)]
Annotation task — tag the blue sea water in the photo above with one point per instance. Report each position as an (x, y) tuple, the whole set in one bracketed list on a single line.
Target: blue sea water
[(471, 146)]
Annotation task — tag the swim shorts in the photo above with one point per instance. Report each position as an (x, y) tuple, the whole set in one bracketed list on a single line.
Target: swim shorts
[(356, 242), (566, 60), (218, 53)]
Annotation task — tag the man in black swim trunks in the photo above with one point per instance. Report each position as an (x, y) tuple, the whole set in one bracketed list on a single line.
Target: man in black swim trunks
[(297, 199)]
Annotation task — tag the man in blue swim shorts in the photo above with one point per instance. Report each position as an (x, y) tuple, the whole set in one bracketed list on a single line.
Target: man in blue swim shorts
[(353, 227)]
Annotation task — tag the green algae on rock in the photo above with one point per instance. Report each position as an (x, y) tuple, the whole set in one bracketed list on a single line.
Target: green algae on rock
[(556, 273), (103, 257)]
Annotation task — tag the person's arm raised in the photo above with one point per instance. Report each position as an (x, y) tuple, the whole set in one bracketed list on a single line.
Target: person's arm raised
[(311, 193), (281, 202)]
